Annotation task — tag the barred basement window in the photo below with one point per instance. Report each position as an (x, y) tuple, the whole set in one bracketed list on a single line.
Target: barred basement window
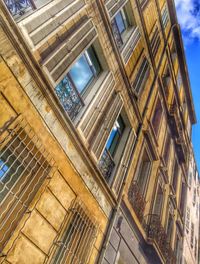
[(155, 42), (141, 76), (165, 16), (78, 237), (24, 164)]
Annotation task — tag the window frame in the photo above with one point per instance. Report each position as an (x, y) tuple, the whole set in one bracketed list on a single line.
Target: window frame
[(138, 170)]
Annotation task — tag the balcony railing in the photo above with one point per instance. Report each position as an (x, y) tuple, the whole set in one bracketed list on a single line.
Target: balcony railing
[(156, 233), (106, 164), (69, 97), (137, 200)]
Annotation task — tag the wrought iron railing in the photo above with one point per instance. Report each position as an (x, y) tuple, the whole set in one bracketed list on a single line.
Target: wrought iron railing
[(19, 7), (69, 97), (106, 164), (137, 200), (116, 34), (156, 233)]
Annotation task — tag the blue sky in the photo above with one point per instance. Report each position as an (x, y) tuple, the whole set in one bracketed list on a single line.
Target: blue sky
[(188, 12)]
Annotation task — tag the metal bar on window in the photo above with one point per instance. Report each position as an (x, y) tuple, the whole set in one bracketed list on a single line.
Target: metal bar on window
[(25, 164), (77, 238)]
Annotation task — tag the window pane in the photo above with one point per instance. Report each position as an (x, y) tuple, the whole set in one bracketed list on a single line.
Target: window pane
[(94, 60), (120, 22), (81, 73), (115, 136)]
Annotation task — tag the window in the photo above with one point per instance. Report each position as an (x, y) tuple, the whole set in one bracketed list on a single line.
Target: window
[(157, 116), (173, 52), (187, 222), (182, 198), (195, 248), (77, 238), (165, 16), (143, 171), (107, 162), (169, 230), (179, 79), (175, 175), (178, 250), (155, 41), (166, 78), (194, 196), (167, 148), (122, 24), (141, 76), (24, 164), (71, 89), (190, 179), (158, 201), (192, 236)]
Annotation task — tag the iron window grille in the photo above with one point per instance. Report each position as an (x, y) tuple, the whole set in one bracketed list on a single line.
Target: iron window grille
[(24, 165), (77, 237), (141, 76)]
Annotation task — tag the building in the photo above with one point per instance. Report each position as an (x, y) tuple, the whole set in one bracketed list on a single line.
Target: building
[(95, 119), (191, 229)]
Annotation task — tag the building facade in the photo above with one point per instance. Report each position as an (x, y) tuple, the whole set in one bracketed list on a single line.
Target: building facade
[(191, 230), (96, 114)]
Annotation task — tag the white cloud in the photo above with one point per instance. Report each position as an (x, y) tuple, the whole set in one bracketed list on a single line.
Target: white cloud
[(188, 12)]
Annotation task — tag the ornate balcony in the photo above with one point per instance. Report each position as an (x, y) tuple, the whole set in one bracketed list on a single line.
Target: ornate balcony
[(137, 200), (156, 234), (69, 97), (106, 164)]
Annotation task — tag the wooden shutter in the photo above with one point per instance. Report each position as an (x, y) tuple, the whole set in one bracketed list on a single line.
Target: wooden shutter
[(124, 162), (40, 25), (72, 46), (109, 117), (155, 41), (131, 45), (93, 114)]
